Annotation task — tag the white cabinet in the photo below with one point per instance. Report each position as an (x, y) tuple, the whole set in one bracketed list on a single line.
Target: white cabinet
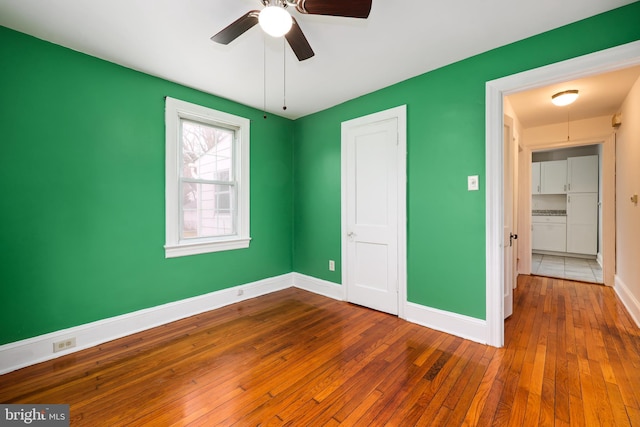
[(535, 178), (577, 233), (582, 223), (549, 177), (553, 177), (582, 174), (549, 233)]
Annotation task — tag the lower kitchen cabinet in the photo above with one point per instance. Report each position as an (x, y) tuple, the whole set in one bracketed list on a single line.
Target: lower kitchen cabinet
[(549, 233)]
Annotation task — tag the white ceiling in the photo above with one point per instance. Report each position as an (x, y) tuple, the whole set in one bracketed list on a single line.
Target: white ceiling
[(401, 39), (599, 95)]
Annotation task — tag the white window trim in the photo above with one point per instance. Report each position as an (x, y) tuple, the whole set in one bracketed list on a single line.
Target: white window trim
[(175, 110)]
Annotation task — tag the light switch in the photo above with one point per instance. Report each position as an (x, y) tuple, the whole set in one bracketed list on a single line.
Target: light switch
[(472, 183)]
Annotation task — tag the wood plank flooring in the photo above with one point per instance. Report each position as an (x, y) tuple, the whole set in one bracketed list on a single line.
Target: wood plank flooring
[(572, 357)]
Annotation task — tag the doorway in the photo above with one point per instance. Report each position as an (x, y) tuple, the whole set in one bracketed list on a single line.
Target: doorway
[(373, 157), (608, 60), (566, 223)]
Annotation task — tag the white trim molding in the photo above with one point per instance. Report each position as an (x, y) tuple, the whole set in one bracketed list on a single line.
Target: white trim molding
[(612, 59), (175, 245), (628, 299), (451, 323), (38, 349), (318, 286)]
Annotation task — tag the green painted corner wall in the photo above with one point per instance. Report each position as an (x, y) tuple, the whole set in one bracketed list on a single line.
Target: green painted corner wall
[(445, 144), (82, 180)]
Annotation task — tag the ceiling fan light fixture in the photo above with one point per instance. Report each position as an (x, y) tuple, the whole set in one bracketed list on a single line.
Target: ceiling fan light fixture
[(564, 98), (275, 21)]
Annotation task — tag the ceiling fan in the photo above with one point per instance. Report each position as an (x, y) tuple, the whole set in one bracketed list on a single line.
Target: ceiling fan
[(275, 12)]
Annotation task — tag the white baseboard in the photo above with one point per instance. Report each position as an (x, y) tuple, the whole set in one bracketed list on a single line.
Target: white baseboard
[(34, 350), (38, 349), (452, 323), (628, 299), (318, 286), (599, 259), (456, 324)]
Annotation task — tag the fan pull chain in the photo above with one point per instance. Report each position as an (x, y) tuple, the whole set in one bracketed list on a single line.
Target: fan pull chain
[(568, 134), (264, 77), (284, 75)]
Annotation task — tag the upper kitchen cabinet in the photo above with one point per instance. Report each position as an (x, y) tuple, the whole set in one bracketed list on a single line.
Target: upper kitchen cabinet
[(582, 174), (535, 178), (549, 177), (553, 177)]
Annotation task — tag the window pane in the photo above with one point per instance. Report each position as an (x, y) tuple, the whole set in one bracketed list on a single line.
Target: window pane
[(207, 210), (206, 150)]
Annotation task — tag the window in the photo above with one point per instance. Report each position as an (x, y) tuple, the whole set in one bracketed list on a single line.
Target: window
[(207, 180)]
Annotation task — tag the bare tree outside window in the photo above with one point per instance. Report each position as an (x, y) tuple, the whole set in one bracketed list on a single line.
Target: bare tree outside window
[(207, 184)]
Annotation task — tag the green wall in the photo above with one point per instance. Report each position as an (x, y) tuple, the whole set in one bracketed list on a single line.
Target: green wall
[(82, 180), (445, 144), (82, 183)]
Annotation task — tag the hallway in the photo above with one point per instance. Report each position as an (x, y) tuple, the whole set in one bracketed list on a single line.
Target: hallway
[(581, 269)]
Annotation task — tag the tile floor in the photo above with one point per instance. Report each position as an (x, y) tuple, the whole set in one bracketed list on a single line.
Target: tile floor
[(584, 270)]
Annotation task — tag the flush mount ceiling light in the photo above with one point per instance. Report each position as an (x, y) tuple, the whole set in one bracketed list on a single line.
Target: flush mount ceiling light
[(275, 21), (564, 98)]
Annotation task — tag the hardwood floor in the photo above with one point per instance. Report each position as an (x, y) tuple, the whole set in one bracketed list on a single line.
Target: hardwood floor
[(572, 357)]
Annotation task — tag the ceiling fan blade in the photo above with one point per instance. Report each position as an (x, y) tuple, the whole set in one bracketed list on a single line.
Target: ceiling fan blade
[(346, 8), (237, 28), (298, 42)]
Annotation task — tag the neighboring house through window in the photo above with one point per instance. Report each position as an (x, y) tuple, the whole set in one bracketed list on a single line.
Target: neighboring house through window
[(207, 180)]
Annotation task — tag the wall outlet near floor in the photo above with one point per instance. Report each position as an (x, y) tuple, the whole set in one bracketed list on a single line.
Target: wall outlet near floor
[(332, 265), (64, 345)]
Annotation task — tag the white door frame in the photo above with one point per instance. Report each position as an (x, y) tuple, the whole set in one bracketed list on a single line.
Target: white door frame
[(510, 284), (399, 113), (612, 59)]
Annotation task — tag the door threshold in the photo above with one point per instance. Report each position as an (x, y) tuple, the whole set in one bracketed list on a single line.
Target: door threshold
[(588, 282)]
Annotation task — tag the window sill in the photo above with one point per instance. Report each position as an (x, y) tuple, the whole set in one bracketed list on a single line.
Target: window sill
[(185, 249)]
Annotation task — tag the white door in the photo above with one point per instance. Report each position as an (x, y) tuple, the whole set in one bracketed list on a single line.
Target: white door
[(508, 232), (370, 212)]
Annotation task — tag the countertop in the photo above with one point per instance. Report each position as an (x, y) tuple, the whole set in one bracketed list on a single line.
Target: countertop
[(549, 212)]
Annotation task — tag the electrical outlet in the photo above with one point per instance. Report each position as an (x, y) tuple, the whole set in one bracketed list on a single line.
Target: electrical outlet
[(332, 265), (64, 345), (240, 292)]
